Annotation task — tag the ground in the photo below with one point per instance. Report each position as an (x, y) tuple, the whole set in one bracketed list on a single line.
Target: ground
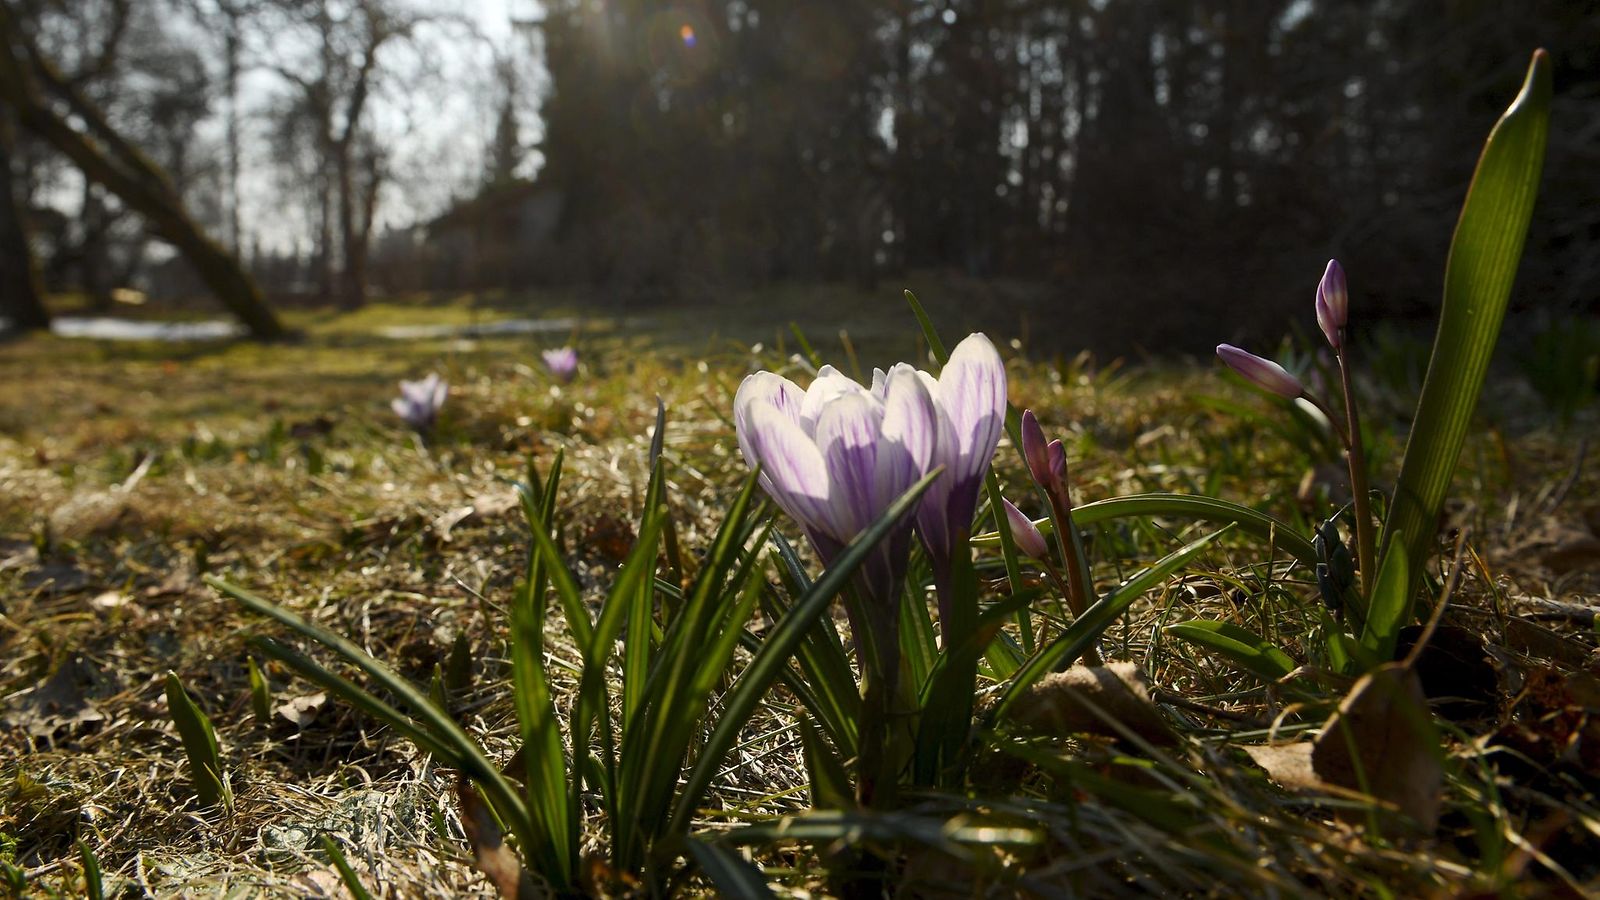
[(129, 471)]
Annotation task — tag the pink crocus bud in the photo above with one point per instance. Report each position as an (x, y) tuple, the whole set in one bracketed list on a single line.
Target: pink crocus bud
[(1263, 373), (1029, 540), (1333, 303), (1057, 460), (1035, 450)]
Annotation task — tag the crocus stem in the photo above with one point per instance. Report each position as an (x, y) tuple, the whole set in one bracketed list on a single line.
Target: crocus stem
[(880, 673), (1079, 587), (1365, 550)]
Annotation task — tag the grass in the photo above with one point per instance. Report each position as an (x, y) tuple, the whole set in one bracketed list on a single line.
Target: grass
[(127, 472)]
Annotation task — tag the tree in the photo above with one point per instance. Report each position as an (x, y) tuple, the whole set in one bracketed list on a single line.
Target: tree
[(53, 109), (21, 292)]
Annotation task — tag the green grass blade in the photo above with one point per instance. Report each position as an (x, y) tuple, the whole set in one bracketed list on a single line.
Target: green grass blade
[(825, 771), (730, 873), (1189, 506), (94, 886), (935, 346), (346, 874), (946, 698), (1390, 604), (199, 744), (1240, 646), (260, 694), (1083, 632), (780, 646), (1477, 285), (553, 816), (355, 696), (469, 757)]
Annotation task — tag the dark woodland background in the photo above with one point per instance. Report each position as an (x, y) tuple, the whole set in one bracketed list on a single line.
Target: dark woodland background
[(1161, 163)]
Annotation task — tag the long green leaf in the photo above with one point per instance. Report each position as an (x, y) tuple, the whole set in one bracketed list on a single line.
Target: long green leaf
[(732, 874), (470, 757), (199, 744), (352, 882), (1240, 646), (1477, 285), (1188, 506), (1084, 631), (1390, 604), (780, 646)]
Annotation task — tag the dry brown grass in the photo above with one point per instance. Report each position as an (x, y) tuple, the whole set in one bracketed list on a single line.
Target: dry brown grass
[(126, 474)]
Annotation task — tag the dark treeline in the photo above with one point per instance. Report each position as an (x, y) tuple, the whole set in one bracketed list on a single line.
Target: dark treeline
[(1143, 162), (1145, 155)]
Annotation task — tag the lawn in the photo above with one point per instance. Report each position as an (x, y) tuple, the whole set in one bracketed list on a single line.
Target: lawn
[(129, 472)]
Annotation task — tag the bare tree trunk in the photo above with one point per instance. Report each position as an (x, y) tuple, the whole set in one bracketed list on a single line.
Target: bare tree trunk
[(21, 295), (124, 171), (94, 263), (352, 274)]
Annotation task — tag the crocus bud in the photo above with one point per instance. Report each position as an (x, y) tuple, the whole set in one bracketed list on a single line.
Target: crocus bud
[(1057, 458), (1263, 373), (1333, 303), (1028, 538), (1034, 449)]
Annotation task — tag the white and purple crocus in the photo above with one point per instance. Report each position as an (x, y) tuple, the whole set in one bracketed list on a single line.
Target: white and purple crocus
[(836, 455), (562, 363), (419, 401)]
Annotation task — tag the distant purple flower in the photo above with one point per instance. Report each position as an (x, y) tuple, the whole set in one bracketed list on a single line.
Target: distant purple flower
[(1263, 373), (419, 401), (562, 363), (1333, 303), (1029, 539), (835, 456)]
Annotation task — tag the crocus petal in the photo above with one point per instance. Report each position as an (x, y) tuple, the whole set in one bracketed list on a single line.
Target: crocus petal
[(796, 475), (829, 385), (972, 388), (847, 436), (766, 388), (1263, 373), (1035, 449), (1333, 303), (1029, 540), (403, 409), (910, 434), (1056, 455)]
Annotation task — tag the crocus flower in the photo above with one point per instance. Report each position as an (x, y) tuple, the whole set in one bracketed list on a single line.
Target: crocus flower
[(1333, 303), (1263, 373), (562, 362), (419, 401), (1028, 537), (835, 456)]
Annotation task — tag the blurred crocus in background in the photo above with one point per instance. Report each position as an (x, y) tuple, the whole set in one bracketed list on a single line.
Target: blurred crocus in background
[(562, 363), (419, 401), (1263, 373)]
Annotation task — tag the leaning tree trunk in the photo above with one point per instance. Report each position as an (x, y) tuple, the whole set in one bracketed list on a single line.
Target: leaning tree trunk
[(21, 294), (124, 171)]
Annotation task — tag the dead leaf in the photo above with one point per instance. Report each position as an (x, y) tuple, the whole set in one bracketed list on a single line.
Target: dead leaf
[(493, 857), (1287, 764), (1072, 702), (1382, 741), (1533, 639), (302, 711), (60, 702), (449, 520), (1457, 675), (107, 601)]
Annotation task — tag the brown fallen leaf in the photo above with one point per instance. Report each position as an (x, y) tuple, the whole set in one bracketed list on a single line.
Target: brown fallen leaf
[(302, 711), (492, 856), (61, 702), (1067, 703), (1382, 741), (1287, 764)]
